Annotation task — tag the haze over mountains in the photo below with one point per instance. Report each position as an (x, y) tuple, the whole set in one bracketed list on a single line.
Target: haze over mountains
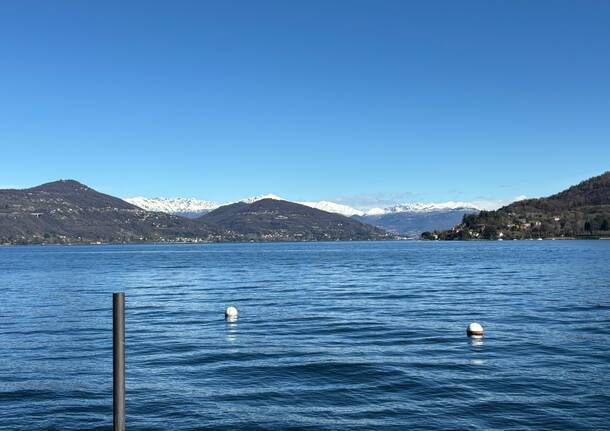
[(412, 223)]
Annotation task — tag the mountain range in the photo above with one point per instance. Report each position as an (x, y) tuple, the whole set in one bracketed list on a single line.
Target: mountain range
[(409, 219), (196, 207), (581, 211), (67, 211)]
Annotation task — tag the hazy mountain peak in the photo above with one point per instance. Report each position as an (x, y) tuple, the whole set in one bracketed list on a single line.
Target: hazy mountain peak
[(333, 207), (375, 211)]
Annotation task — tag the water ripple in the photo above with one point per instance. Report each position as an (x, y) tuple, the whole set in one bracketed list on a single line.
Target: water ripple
[(331, 336)]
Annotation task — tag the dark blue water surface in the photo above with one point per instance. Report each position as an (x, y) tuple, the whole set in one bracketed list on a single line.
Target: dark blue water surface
[(331, 336)]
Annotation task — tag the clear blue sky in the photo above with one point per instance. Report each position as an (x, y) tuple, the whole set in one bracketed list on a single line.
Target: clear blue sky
[(348, 100)]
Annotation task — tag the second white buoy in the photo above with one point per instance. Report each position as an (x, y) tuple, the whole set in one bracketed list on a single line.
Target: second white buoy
[(475, 330), (231, 313)]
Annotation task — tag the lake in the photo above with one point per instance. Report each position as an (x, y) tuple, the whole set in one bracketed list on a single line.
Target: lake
[(330, 336)]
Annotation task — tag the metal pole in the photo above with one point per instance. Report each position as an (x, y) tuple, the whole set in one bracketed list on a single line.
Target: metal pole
[(118, 360)]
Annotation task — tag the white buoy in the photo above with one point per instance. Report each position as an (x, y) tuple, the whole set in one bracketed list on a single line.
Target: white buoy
[(475, 330), (231, 313)]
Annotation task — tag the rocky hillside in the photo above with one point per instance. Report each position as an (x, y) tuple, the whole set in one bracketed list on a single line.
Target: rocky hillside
[(579, 211)]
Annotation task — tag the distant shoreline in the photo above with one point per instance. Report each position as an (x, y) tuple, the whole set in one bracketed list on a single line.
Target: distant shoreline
[(82, 244), (582, 238), (208, 242)]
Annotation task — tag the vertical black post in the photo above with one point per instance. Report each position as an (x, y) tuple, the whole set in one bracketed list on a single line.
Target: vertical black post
[(118, 360)]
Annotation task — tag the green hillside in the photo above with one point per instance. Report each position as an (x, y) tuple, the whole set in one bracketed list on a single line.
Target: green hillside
[(582, 211)]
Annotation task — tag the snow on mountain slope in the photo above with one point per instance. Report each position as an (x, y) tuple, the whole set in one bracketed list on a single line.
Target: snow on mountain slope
[(429, 207), (191, 207), (188, 206), (419, 207), (260, 198), (332, 207)]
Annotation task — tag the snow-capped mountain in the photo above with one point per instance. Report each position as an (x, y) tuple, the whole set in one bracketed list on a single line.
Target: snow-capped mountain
[(420, 207), (195, 207), (188, 207), (417, 207), (333, 207), (191, 207), (406, 219), (260, 198), (411, 219), (413, 223)]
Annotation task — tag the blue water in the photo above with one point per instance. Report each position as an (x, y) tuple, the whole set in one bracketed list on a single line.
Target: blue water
[(331, 336)]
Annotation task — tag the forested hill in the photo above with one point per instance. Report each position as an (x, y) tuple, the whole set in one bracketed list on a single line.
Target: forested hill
[(278, 220), (68, 212), (582, 210)]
